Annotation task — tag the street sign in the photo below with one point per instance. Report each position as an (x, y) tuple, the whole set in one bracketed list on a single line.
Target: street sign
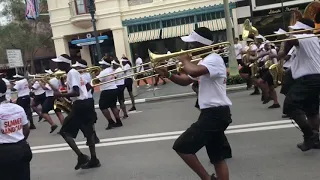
[(14, 58)]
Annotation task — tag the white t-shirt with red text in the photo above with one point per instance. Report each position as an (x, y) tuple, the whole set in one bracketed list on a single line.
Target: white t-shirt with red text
[(12, 119)]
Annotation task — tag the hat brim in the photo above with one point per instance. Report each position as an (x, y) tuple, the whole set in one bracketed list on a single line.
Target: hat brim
[(56, 60), (188, 39)]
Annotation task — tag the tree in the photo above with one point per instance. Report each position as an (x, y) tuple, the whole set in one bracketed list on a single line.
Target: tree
[(24, 34)]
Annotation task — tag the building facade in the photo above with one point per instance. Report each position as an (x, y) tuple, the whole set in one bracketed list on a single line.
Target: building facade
[(126, 27), (268, 15)]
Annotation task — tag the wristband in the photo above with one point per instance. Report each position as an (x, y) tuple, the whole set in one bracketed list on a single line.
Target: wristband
[(170, 74)]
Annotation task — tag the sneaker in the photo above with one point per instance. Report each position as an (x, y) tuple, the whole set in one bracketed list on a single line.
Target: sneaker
[(118, 124), (148, 85), (274, 106), (110, 126), (32, 126), (40, 119), (53, 128), (285, 116), (133, 109), (213, 177), (255, 93), (308, 143), (93, 163), (82, 160), (125, 116)]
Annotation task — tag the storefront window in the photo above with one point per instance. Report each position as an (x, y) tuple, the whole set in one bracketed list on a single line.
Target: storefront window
[(81, 6), (268, 2)]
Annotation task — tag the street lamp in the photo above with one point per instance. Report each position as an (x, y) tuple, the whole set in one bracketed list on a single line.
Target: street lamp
[(233, 66), (92, 11)]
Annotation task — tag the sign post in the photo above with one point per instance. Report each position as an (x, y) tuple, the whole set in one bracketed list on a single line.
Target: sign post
[(14, 58)]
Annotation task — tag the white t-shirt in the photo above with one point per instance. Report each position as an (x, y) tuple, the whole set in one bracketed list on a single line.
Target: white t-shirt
[(307, 59), (55, 83), (128, 70), (119, 76), (8, 92), (103, 77), (138, 63), (22, 86), (74, 79), (238, 49), (212, 86), (12, 119), (87, 77), (292, 54), (37, 88)]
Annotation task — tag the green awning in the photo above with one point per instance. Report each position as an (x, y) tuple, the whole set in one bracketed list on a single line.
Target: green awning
[(215, 24), (144, 36), (177, 31)]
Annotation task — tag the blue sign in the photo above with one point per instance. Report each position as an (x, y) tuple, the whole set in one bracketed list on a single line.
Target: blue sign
[(88, 41)]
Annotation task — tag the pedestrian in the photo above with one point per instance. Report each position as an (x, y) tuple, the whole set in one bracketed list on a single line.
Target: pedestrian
[(15, 152)]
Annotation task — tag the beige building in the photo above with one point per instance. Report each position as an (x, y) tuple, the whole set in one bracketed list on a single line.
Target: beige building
[(133, 26)]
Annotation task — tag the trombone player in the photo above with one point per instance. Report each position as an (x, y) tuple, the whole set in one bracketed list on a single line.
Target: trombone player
[(302, 100), (214, 105)]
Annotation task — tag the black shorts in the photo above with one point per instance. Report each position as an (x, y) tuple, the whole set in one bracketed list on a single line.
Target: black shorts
[(48, 105), (39, 99), (268, 78), (108, 99), (240, 62), (120, 95), (128, 82), (15, 161), (226, 61), (287, 83), (208, 131), (303, 96), (140, 76), (24, 102), (82, 116), (245, 70)]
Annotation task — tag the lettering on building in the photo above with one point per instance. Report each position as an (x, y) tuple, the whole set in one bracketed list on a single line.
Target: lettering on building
[(138, 2)]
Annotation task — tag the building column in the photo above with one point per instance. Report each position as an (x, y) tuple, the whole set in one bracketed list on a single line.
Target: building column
[(61, 45), (235, 22), (85, 55), (121, 45)]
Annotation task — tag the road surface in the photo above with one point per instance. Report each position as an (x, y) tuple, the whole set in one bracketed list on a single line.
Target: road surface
[(263, 144)]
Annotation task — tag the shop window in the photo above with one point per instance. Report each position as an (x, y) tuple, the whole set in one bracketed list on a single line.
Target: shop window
[(178, 21), (144, 27), (138, 2), (210, 16), (268, 2)]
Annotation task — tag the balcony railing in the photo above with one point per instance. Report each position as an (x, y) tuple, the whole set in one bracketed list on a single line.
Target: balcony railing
[(78, 7)]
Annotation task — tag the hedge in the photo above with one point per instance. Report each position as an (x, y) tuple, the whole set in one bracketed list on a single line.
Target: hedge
[(232, 80)]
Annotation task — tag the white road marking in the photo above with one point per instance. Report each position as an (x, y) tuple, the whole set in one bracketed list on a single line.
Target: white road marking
[(134, 112), (134, 141), (231, 129)]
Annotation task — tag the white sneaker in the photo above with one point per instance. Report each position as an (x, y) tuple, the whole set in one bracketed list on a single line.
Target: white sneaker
[(138, 86), (148, 85)]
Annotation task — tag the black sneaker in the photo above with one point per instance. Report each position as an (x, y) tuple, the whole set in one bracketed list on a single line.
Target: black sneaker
[(82, 160), (308, 143), (285, 116), (53, 128), (255, 93), (125, 117), (133, 109), (118, 124), (93, 163), (40, 119), (32, 126), (213, 177), (274, 106), (110, 126)]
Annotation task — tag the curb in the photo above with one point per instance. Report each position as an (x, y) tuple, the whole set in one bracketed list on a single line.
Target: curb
[(162, 98)]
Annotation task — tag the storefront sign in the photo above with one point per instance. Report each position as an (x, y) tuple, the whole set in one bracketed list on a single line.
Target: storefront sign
[(14, 58), (279, 10)]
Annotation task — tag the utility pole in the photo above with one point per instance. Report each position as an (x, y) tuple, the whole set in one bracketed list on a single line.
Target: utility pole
[(92, 11), (233, 66)]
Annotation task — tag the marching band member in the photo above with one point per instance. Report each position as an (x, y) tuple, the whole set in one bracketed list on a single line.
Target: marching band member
[(302, 100), (108, 96), (265, 82), (238, 51), (22, 87), (215, 114), (82, 116), (139, 62), (248, 53), (48, 103), (39, 98), (128, 82), (120, 86), (8, 92), (82, 64), (15, 152)]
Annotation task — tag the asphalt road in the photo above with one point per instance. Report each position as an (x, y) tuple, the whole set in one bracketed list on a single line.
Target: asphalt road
[(263, 144)]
